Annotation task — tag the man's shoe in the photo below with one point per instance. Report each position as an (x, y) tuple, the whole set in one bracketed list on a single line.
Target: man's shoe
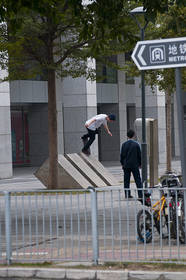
[(129, 197), (140, 200), (86, 152), (146, 202)]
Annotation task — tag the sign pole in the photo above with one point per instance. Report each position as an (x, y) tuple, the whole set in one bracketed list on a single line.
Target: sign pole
[(143, 117), (143, 144), (181, 133)]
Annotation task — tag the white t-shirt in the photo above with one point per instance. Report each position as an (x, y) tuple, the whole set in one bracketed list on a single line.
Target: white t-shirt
[(100, 119)]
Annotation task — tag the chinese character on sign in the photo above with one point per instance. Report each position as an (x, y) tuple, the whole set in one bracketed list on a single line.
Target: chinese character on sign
[(173, 49), (182, 48)]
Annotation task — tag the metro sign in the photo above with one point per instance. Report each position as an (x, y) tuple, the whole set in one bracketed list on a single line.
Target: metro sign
[(156, 54)]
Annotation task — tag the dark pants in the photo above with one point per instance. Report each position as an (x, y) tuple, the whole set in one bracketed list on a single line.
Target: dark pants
[(137, 178), (92, 136)]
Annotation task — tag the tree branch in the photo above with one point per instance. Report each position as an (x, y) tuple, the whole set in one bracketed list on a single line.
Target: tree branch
[(70, 51)]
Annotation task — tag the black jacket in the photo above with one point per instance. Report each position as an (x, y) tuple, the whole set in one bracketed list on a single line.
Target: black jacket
[(130, 156)]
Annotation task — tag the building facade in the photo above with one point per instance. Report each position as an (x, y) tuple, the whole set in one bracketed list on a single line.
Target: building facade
[(24, 116)]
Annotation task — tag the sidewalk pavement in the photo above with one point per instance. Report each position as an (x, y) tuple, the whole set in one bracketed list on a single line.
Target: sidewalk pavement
[(24, 178), (116, 170)]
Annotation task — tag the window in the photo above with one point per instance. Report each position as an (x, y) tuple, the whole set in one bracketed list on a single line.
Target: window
[(40, 76), (105, 73)]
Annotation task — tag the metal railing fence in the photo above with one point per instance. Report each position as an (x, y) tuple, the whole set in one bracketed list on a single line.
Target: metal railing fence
[(92, 225)]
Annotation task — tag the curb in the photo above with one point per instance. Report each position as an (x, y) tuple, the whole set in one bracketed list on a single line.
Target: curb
[(74, 274)]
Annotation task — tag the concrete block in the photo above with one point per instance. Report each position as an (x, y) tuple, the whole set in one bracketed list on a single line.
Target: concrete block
[(85, 170), (110, 275), (146, 275), (173, 275), (21, 272), (3, 273), (68, 176), (80, 274), (100, 170), (50, 273)]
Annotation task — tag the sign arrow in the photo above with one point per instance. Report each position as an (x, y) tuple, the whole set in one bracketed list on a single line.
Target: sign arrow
[(140, 55)]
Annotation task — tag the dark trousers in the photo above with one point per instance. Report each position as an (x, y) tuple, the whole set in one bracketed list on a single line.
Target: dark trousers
[(137, 178), (91, 135)]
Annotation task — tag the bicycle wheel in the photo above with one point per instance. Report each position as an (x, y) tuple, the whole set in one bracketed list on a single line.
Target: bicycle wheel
[(181, 220), (173, 221), (174, 217), (162, 228), (144, 226), (178, 215)]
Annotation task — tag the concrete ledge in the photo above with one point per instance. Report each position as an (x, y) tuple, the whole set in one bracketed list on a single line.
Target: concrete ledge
[(85, 170), (100, 170), (155, 275), (20, 272), (50, 273), (68, 176), (112, 275), (85, 274), (80, 274)]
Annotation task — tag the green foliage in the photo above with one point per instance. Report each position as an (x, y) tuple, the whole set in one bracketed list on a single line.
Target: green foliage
[(62, 35), (170, 24), (156, 7), (98, 30)]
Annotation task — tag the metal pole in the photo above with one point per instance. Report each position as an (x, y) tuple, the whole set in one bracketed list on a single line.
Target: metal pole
[(8, 227), (181, 127), (143, 116), (94, 224), (143, 107)]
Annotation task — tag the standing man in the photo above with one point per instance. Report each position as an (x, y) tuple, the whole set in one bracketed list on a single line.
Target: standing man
[(92, 126), (130, 159)]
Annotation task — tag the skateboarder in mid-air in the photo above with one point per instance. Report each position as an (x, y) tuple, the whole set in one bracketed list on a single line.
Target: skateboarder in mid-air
[(92, 126)]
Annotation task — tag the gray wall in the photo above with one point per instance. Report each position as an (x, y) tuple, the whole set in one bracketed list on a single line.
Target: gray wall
[(28, 92), (5, 131), (109, 146)]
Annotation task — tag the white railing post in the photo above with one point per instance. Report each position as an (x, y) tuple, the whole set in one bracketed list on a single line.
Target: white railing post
[(95, 245), (8, 227)]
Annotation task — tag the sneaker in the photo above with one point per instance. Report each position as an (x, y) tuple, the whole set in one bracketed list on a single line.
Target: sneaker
[(140, 200), (86, 152), (146, 203), (129, 197)]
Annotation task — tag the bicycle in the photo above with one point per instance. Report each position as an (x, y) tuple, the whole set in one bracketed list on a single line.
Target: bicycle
[(168, 210), (172, 180)]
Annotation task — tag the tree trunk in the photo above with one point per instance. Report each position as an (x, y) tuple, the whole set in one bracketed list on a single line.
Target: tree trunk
[(52, 128), (168, 131)]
